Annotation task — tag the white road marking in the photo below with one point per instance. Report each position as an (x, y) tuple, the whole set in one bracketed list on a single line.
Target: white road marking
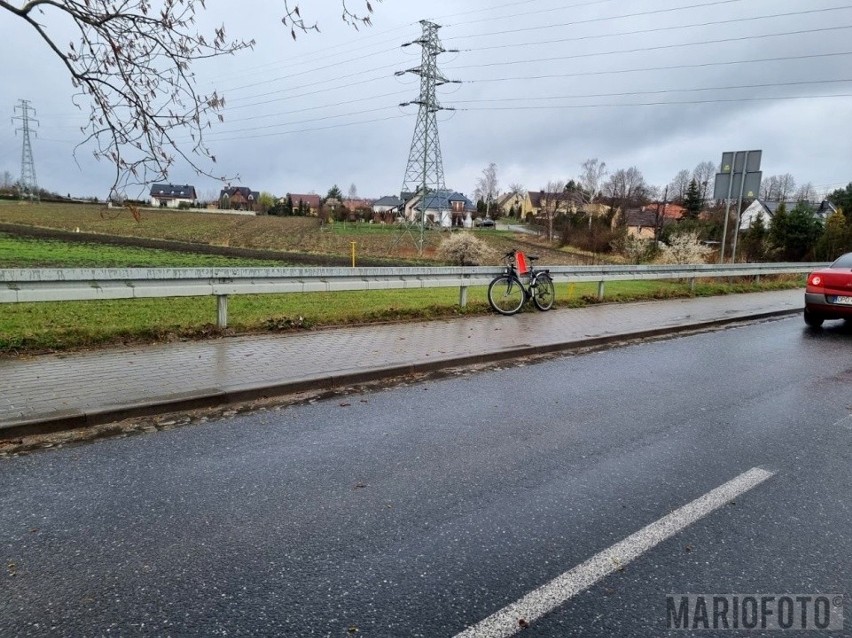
[(845, 423), (509, 620)]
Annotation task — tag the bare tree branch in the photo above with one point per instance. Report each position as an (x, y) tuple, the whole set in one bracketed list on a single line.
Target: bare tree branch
[(132, 66), (293, 17)]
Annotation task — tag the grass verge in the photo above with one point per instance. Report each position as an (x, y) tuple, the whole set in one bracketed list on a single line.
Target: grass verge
[(53, 326)]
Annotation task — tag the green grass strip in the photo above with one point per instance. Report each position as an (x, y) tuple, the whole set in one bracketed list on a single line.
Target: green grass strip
[(35, 327)]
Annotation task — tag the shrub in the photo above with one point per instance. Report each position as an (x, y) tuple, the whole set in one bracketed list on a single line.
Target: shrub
[(684, 248), (463, 249), (635, 249)]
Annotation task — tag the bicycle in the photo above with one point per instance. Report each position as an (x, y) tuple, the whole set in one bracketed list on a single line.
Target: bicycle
[(507, 293)]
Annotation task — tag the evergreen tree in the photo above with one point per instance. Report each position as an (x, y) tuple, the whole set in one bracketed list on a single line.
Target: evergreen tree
[(795, 234), (692, 202), (833, 241), (842, 198), (335, 192), (754, 240)]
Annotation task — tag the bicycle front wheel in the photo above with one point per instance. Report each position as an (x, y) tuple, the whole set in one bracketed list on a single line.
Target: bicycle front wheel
[(544, 294), (506, 295)]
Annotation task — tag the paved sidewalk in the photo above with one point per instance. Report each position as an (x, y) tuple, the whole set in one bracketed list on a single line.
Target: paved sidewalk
[(73, 390)]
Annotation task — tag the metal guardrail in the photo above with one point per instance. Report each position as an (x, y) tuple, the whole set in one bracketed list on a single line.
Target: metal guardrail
[(83, 284)]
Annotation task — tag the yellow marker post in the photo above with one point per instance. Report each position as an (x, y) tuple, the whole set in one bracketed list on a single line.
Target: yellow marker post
[(353, 254)]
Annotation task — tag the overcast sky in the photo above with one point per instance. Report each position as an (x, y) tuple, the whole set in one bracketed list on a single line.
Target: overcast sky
[(657, 84)]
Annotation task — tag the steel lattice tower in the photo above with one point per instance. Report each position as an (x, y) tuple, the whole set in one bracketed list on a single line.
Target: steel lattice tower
[(29, 185), (424, 172)]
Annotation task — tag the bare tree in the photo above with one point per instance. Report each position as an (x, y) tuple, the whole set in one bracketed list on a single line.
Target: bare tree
[(591, 178), (353, 192), (704, 175), (487, 187), (679, 186), (806, 193), (552, 198), (132, 66), (626, 187), (769, 189), (786, 187)]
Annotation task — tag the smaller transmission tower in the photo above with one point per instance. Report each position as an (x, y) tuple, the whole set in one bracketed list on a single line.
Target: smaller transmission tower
[(29, 185), (425, 169)]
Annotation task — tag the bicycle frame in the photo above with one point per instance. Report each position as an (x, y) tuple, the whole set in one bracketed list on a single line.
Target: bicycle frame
[(533, 274)]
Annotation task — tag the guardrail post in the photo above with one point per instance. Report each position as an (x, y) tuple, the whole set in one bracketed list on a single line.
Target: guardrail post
[(692, 284), (757, 278), (600, 290), (463, 296), (222, 311)]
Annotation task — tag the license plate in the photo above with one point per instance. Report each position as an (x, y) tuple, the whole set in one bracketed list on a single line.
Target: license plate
[(846, 301)]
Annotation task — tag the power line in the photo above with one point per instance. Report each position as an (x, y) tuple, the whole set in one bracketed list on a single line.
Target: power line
[(526, 13), (323, 55), (308, 121), (316, 108), (319, 82), (311, 130), (594, 20), (660, 91), (314, 70), (655, 48), (514, 62), (669, 67), (384, 51), (661, 29), (212, 136), (632, 104)]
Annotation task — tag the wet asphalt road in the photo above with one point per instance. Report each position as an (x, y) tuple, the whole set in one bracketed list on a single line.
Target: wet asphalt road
[(420, 510)]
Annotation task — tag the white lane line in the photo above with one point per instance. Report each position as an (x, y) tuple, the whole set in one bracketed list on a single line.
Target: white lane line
[(845, 423), (548, 597)]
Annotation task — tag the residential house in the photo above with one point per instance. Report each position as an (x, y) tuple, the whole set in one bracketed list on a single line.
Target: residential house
[(173, 195), (767, 210), (509, 203), (642, 222), (669, 210), (538, 203), (386, 209), (358, 204), (331, 206), (444, 207), (238, 198), (310, 202)]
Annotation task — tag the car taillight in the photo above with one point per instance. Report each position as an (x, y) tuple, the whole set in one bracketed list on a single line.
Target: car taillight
[(816, 280)]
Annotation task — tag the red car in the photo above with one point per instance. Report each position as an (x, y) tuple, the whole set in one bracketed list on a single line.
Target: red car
[(829, 293)]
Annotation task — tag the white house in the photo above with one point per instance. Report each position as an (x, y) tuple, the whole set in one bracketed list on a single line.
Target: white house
[(444, 207), (767, 211), (172, 195)]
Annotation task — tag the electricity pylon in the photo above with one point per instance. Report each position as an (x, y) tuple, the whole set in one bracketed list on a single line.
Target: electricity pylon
[(424, 172), (29, 185)]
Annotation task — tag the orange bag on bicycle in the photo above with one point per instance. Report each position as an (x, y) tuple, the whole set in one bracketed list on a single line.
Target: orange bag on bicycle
[(522, 263)]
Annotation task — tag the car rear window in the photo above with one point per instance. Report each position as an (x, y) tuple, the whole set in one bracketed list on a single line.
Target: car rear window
[(843, 262)]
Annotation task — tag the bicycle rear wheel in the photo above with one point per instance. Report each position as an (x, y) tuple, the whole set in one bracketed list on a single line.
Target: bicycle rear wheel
[(544, 293), (506, 295)]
